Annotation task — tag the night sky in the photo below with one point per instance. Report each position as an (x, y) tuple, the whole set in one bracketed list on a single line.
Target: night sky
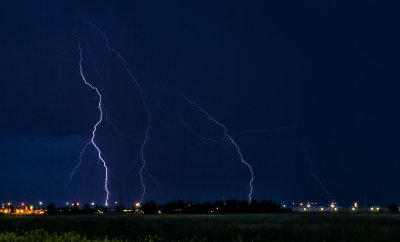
[(328, 69)]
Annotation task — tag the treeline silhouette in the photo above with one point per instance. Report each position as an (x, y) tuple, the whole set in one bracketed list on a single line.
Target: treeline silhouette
[(176, 207), (228, 206)]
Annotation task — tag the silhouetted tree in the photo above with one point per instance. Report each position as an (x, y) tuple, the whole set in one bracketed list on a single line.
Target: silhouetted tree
[(149, 207), (393, 207), (119, 208), (87, 209), (51, 208)]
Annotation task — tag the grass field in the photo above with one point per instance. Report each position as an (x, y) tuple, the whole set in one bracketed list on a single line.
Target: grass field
[(246, 227)]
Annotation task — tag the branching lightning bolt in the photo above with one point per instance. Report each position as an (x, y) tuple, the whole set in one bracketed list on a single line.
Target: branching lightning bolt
[(92, 140), (186, 125), (302, 147), (231, 140), (312, 172), (147, 136), (72, 173), (96, 69), (269, 131)]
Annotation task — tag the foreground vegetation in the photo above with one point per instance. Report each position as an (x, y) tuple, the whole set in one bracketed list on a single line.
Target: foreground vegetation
[(246, 227)]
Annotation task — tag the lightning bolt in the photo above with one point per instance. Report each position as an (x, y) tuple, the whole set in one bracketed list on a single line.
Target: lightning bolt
[(72, 173), (147, 110), (312, 172), (186, 125), (231, 140), (99, 121), (302, 147), (269, 131), (96, 69)]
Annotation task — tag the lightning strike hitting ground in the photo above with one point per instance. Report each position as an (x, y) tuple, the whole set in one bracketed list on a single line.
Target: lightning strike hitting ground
[(231, 140), (146, 139), (302, 147), (99, 106), (312, 173)]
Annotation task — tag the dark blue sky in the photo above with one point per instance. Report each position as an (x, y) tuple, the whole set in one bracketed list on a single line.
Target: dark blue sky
[(329, 68)]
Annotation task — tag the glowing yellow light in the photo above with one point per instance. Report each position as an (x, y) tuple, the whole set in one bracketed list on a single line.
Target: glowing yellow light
[(356, 205), (372, 208), (137, 205), (305, 209), (322, 209), (377, 209), (335, 209), (31, 207), (353, 209)]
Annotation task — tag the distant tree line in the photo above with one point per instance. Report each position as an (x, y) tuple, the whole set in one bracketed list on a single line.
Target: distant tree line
[(177, 207), (231, 206), (228, 206), (393, 207)]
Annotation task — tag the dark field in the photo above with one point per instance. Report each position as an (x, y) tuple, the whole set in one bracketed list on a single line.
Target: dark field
[(246, 227)]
